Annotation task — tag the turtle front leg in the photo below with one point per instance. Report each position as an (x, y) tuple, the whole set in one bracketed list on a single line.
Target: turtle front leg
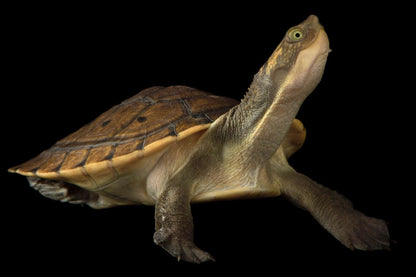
[(174, 225), (335, 212), (331, 209)]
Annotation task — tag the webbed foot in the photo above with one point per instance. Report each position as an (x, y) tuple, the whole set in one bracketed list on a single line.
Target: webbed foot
[(58, 190), (363, 233), (181, 248)]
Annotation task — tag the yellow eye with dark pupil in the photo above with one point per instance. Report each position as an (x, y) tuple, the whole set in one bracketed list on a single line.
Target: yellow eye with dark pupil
[(296, 35)]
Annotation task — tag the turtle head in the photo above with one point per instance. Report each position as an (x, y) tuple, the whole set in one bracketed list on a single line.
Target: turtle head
[(300, 58), (258, 125)]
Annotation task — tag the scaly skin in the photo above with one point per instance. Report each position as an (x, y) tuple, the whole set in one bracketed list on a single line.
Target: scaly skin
[(240, 152)]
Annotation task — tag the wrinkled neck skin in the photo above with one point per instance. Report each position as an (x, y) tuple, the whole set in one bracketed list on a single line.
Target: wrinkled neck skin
[(264, 116), (255, 129)]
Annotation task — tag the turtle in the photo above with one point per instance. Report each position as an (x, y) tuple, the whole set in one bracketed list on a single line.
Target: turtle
[(174, 146)]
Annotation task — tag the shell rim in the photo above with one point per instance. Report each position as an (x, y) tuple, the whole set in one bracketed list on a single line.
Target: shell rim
[(115, 163)]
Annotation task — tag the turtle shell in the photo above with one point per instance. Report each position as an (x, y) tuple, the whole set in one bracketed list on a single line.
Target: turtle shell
[(144, 124)]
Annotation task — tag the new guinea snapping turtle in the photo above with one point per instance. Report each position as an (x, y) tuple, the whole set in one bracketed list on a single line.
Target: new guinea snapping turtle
[(170, 146)]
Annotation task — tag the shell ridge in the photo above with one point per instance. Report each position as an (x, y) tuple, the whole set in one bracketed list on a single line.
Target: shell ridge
[(127, 139), (139, 98), (185, 105)]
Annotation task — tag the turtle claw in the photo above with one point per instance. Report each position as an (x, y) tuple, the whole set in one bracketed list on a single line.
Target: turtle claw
[(182, 249)]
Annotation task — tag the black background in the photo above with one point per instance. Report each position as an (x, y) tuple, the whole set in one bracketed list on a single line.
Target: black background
[(64, 65)]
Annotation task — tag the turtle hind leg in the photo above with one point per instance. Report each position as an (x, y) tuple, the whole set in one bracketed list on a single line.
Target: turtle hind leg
[(62, 191)]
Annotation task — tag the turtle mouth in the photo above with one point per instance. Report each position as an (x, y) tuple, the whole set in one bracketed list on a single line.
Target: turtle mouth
[(326, 52), (322, 43), (317, 51)]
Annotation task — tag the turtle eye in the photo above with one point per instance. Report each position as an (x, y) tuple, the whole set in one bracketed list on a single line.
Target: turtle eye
[(296, 34)]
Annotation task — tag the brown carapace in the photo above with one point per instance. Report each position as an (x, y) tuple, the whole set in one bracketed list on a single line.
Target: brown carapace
[(97, 153)]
